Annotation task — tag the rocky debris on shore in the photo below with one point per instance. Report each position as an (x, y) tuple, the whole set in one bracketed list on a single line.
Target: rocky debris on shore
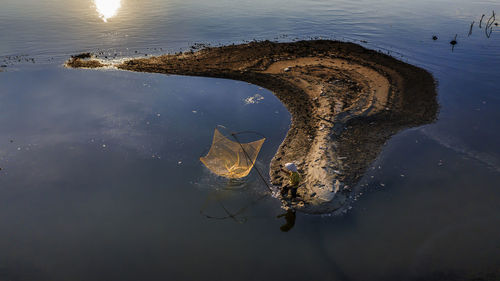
[(84, 60)]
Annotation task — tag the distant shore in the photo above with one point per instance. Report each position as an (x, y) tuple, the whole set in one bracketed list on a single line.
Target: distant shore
[(346, 102)]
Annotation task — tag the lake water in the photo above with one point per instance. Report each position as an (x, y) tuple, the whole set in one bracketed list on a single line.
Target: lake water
[(100, 177)]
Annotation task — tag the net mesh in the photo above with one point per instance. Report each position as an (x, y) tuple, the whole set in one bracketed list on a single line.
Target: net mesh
[(231, 159)]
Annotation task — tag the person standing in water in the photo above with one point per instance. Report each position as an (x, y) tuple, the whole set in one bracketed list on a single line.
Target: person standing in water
[(294, 181)]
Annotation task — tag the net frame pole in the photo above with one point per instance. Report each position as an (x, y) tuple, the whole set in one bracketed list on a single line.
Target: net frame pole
[(253, 163)]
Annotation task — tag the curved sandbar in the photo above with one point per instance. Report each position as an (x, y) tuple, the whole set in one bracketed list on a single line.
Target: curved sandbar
[(346, 102)]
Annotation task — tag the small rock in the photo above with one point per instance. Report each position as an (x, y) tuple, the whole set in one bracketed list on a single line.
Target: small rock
[(338, 185), (434, 38)]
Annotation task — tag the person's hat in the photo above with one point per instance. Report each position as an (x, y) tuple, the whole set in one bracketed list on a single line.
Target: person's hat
[(291, 167)]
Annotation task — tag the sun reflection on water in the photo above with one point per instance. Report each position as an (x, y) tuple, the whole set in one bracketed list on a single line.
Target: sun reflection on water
[(107, 8)]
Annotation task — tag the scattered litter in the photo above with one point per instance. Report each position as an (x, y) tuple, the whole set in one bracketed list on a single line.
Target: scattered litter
[(382, 184), (253, 100), (286, 69), (103, 146), (158, 114), (180, 162), (194, 111)]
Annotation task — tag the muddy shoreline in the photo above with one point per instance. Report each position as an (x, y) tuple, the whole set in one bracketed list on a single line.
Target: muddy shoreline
[(346, 102)]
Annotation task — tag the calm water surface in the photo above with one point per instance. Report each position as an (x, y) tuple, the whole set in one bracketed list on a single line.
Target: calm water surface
[(100, 177)]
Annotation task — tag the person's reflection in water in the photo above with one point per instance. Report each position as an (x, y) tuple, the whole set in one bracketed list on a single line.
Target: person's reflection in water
[(290, 220)]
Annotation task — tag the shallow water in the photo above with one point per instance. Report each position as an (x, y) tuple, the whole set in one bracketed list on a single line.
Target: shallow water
[(100, 174)]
